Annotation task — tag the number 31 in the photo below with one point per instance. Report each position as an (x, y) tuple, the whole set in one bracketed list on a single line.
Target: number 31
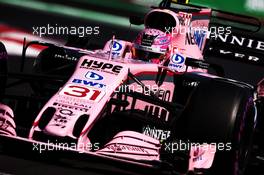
[(82, 92)]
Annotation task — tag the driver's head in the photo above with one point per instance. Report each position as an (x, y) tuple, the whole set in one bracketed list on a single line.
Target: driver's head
[(151, 45)]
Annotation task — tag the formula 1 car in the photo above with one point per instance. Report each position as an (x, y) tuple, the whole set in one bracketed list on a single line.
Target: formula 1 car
[(170, 115)]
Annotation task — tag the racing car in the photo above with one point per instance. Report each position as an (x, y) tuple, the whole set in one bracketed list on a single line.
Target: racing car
[(149, 102)]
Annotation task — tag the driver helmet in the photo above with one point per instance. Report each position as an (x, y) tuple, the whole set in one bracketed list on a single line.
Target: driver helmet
[(151, 45)]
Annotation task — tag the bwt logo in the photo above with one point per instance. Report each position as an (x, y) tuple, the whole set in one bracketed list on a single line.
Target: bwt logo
[(88, 83), (177, 59), (116, 46), (177, 62), (93, 76)]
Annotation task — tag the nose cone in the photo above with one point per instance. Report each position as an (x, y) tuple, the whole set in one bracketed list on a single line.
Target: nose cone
[(56, 130), (58, 126)]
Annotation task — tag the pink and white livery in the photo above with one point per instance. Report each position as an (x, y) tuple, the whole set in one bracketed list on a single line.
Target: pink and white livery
[(150, 101)]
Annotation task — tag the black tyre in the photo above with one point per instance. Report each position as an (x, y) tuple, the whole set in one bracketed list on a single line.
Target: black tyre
[(51, 61), (219, 111), (46, 117)]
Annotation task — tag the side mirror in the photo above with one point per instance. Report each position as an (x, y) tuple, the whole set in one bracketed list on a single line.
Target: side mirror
[(205, 65), (136, 20)]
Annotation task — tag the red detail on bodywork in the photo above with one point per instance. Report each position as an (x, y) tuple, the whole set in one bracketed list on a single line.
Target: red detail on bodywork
[(36, 123), (22, 42)]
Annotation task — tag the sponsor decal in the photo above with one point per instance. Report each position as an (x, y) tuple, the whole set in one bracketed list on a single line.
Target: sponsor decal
[(62, 118), (145, 48), (185, 18), (66, 57), (80, 104), (164, 40), (190, 39), (60, 121), (119, 148), (199, 37), (186, 83), (116, 48), (242, 41), (177, 59), (88, 83), (66, 112), (101, 66), (93, 76), (177, 63), (158, 134), (148, 40), (76, 107), (238, 48), (81, 92), (240, 56)]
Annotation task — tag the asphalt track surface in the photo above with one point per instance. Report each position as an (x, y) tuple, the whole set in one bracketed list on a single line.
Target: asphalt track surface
[(25, 19)]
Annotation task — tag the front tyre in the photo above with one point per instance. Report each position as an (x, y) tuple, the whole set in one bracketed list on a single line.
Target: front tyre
[(221, 112)]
